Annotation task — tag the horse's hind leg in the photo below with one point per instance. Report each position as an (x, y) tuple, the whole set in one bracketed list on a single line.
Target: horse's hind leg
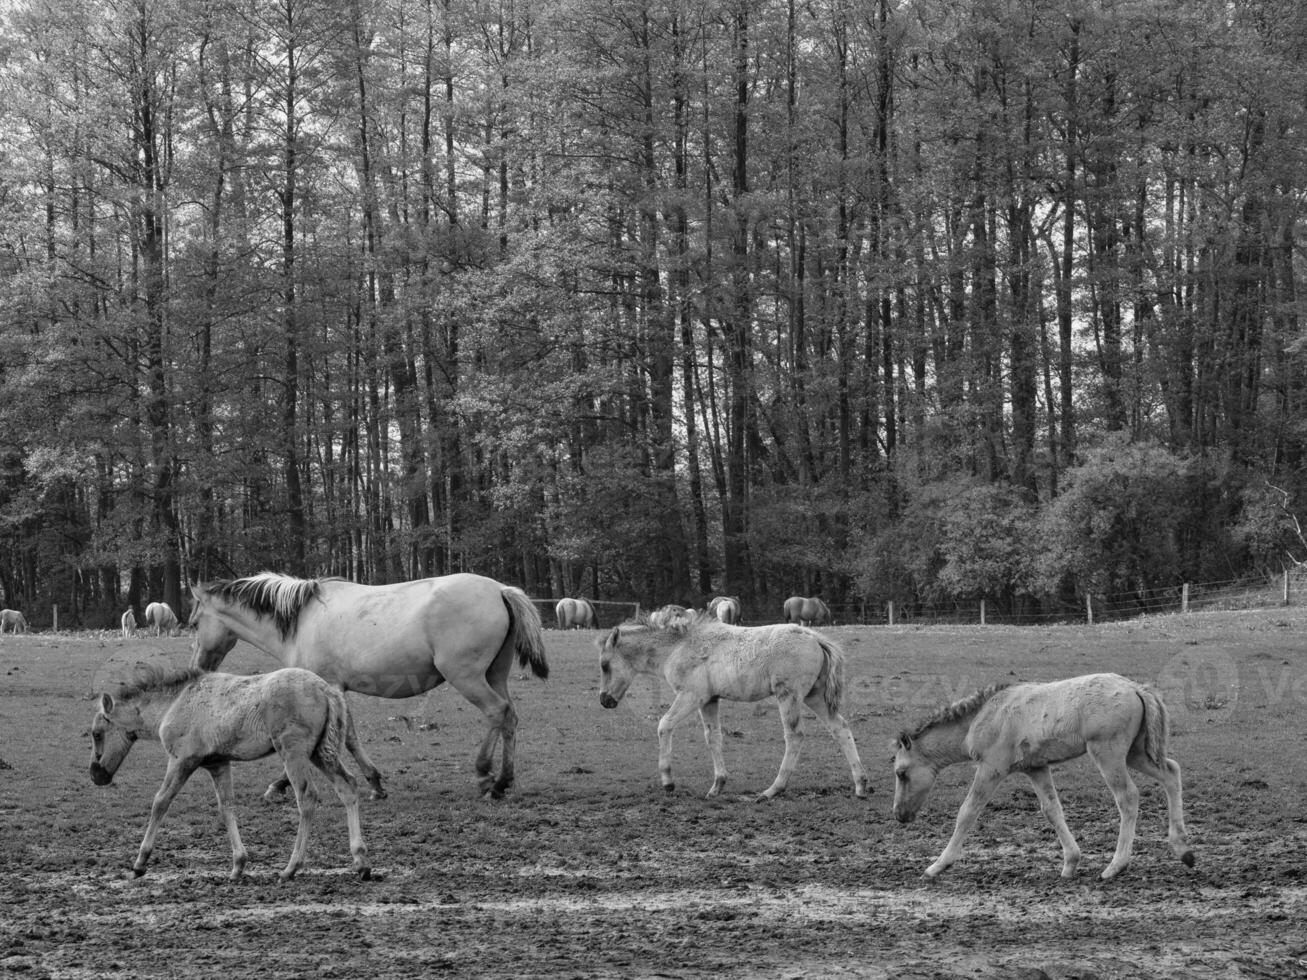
[(712, 734), (1110, 759), (1051, 806), (347, 789), (839, 729), (791, 725), (295, 754), (1168, 774), (221, 774)]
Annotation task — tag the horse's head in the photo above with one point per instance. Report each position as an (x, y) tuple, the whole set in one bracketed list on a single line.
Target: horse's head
[(115, 728), (914, 777), (213, 639), (615, 670)]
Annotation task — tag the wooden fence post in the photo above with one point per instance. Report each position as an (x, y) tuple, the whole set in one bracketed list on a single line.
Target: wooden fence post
[(54, 611), (889, 611), (1089, 608), (1184, 598), (1286, 586), (982, 612)]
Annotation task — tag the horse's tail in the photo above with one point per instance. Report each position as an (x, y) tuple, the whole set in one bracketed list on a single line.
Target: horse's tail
[(1154, 727), (333, 730), (525, 633), (831, 678)]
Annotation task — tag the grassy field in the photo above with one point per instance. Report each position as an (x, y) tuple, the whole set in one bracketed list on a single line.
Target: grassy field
[(589, 869)]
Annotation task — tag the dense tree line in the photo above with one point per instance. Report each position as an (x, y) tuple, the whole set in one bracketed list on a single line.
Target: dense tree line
[(925, 300)]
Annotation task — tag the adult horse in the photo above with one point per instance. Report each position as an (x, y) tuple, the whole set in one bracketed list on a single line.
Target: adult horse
[(12, 621), (160, 618), (576, 614), (128, 623), (207, 721), (1028, 728), (806, 611), (705, 661), (726, 608), (670, 615), (390, 641)]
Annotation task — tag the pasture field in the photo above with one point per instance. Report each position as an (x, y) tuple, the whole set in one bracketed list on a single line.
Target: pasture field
[(588, 869)]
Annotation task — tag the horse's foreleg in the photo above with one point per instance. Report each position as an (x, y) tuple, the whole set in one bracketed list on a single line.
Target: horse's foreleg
[(1051, 806), (792, 726), (370, 772), (1169, 776), (1126, 794), (984, 784), (173, 780), (296, 758), (839, 729), (682, 705), (347, 789), (712, 734), (222, 787)]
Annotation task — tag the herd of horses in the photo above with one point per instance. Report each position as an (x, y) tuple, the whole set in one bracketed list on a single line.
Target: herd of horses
[(394, 641)]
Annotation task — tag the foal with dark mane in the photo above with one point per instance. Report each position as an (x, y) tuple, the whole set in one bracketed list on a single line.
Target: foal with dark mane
[(1028, 728)]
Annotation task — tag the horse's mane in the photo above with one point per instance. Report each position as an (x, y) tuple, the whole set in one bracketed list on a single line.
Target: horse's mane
[(282, 597), (156, 679), (957, 711)]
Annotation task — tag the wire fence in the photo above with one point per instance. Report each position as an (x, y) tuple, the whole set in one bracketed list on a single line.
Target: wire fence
[(1270, 591)]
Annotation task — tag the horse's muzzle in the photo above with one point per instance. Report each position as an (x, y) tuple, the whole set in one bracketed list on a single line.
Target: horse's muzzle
[(903, 816), (100, 775), (607, 700)]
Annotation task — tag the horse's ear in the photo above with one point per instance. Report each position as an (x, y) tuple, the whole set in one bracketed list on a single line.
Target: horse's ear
[(614, 636), (106, 703), (904, 741)]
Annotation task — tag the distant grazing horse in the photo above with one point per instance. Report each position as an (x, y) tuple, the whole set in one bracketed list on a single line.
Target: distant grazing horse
[(12, 621), (129, 624), (390, 641), (726, 608), (576, 614), (1030, 727), (806, 612), (212, 720), (670, 615), (160, 618), (705, 661)]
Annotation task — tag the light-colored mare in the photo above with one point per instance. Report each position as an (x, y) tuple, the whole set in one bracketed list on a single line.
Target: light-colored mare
[(160, 618), (12, 621), (1028, 728), (806, 611), (208, 721), (389, 641), (129, 624), (576, 614), (670, 615), (706, 661), (726, 608)]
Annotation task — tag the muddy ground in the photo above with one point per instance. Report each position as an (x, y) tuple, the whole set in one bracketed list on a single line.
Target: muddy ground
[(589, 870)]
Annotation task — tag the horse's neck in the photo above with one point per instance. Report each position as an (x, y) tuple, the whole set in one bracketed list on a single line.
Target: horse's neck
[(945, 744), (153, 705), (258, 631)]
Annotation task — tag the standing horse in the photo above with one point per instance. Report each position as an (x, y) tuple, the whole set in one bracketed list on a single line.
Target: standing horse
[(806, 612), (705, 661), (576, 614), (390, 641), (128, 624), (726, 608), (1028, 728), (12, 621), (160, 618), (208, 721)]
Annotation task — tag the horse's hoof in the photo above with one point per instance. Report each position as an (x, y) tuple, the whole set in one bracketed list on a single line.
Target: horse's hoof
[(365, 874), (669, 788), (379, 794), (138, 872), (1187, 858)]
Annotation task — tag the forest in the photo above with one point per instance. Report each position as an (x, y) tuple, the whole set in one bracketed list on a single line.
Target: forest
[(914, 300)]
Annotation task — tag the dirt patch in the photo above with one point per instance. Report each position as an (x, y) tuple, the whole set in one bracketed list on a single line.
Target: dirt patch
[(589, 869)]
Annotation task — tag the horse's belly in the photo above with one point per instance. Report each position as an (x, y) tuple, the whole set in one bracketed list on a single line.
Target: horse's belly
[(1038, 753)]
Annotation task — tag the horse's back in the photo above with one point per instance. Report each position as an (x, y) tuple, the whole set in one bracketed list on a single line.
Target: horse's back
[(747, 663), (1043, 723), (238, 717)]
